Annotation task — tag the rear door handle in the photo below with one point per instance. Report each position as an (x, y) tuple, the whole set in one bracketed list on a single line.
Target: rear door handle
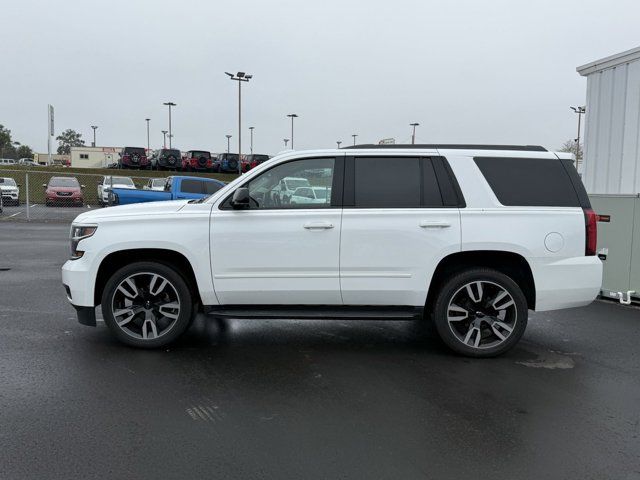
[(430, 224), (318, 225)]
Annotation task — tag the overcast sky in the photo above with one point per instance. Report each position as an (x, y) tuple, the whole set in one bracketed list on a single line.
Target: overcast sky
[(488, 71)]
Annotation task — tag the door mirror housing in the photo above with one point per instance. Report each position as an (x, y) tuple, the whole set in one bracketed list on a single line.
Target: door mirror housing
[(44, 185), (241, 199)]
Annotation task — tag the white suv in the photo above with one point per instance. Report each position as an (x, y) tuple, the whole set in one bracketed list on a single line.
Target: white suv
[(468, 236)]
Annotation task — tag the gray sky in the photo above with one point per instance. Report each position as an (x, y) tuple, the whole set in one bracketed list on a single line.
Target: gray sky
[(489, 71)]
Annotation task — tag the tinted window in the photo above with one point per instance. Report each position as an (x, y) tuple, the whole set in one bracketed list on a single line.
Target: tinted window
[(191, 186), (134, 150), (536, 182), (211, 187), (387, 182), (175, 153), (199, 153)]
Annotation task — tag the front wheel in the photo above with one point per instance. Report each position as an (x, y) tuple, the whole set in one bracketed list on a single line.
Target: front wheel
[(147, 304), (480, 313)]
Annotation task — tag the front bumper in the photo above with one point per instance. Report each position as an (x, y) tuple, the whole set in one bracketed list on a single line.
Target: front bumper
[(11, 196), (78, 281)]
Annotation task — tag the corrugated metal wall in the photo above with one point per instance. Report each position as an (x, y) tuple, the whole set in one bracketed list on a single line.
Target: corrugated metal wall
[(612, 131)]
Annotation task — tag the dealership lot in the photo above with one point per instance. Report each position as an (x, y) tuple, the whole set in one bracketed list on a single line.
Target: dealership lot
[(307, 399), (40, 212)]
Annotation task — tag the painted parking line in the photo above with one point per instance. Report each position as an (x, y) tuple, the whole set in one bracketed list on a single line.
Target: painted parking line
[(11, 216), (34, 205)]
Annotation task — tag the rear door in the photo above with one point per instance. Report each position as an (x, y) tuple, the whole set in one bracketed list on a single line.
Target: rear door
[(400, 218)]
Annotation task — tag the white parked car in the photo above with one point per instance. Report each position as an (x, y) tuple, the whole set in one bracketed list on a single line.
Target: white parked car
[(108, 182), (288, 185), (27, 162), (10, 191), (307, 195), (469, 237), (7, 161), (155, 184)]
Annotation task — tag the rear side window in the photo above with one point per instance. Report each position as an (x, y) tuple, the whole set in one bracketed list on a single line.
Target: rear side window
[(191, 186), (529, 182), (383, 182)]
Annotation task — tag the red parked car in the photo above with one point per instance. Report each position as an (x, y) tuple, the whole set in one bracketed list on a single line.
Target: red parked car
[(252, 161), (65, 191), (195, 160)]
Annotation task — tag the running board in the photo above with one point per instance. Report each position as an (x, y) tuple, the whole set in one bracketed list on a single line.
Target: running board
[(314, 312)]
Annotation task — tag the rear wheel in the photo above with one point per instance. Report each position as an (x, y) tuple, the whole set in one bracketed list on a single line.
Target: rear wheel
[(480, 313), (147, 304)]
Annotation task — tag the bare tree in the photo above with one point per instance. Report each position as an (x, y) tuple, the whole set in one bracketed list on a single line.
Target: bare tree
[(570, 146)]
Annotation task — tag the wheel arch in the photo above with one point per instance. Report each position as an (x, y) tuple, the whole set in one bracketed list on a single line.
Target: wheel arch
[(511, 264), (171, 258)]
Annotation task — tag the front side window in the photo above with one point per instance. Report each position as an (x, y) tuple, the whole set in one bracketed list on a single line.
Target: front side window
[(278, 187)]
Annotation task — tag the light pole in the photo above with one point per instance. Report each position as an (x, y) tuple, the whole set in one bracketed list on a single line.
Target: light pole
[(285, 140), (239, 77), (228, 143), (95, 127), (354, 138), (580, 111), (164, 138), (292, 116), (148, 142), (413, 135), (251, 130), (339, 142), (169, 104)]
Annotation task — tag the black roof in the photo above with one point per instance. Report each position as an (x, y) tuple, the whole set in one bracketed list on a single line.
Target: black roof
[(453, 146)]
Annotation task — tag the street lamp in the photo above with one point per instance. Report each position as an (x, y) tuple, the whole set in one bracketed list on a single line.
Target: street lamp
[(239, 77), (169, 104), (148, 143), (228, 144), (95, 127), (164, 138), (354, 138), (580, 111), (413, 135), (292, 116), (251, 130), (285, 140), (339, 142)]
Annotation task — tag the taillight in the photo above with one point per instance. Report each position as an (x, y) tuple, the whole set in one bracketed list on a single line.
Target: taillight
[(591, 231)]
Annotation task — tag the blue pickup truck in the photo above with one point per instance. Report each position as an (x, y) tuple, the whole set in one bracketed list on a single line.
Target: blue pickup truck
[(176, 188)]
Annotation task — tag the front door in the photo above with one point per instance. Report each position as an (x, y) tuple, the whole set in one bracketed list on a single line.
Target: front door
[(278, 251)]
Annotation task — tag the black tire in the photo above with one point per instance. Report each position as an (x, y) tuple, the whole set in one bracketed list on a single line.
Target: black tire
[(176, 281), (452, 292)]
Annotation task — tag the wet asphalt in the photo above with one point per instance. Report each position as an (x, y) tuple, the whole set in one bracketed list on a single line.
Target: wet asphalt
[(304, 399)]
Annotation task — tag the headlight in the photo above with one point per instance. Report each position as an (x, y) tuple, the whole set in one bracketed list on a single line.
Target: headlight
[(79, 233)]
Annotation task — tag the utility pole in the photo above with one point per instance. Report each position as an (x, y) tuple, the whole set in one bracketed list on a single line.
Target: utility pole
[(292, 116), (95, 127), (239, 77), (580, 110), (339, 142), (169, 104), (228, 143), (164, 138), (251, 130), (148, 142), (286, 140), (413, 135), (354, 138)]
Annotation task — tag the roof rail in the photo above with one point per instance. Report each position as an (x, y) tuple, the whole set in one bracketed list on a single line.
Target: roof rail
[(451, 146)]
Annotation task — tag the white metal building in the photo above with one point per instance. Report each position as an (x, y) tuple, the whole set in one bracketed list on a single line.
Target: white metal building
[(612, 129), (94, 157)]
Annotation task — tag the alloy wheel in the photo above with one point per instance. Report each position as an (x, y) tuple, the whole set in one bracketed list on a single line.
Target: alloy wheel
[(482, 314), (145, 305)]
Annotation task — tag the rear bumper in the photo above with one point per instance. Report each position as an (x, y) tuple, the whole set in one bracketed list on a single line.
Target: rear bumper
[(567, 283)]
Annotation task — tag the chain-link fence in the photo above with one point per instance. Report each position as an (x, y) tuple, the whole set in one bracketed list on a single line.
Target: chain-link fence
[(60, 196)]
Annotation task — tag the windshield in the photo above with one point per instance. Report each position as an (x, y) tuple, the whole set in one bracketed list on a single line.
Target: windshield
[(294, 183), (121, 181), (63, 182), (8, 181), (158, 182)]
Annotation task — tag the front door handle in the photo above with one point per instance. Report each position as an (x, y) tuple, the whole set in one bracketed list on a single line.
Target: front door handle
[(431, 224), (318, 225)]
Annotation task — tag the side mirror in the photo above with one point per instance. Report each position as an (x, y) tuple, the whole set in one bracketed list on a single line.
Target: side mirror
[(81, 186), (44, 185), (241, 199), (19, 184)]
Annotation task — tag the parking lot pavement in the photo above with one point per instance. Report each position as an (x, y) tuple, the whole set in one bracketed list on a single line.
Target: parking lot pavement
[(287, 399), (41, 212)]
